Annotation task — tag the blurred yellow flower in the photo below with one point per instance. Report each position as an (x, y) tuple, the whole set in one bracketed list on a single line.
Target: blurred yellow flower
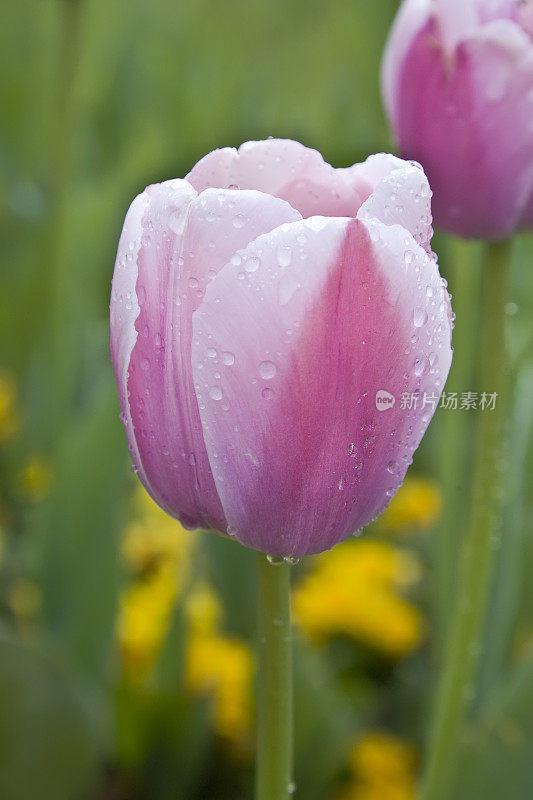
[(203, 609), (144, 616), (354, 591), (417, 504), (383, 768), (35, 479), (159, 552), (153, 537), (24, 597), (223, 667), (9, 416)]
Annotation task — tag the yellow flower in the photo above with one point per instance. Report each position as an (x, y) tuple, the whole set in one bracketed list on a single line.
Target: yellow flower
[(354, 591), (418, 504), (222, 666), (24, 597), (9, 417), (158, 550), (204, 610), (153, 537), (143, 621), (35, 479), (383, 768)]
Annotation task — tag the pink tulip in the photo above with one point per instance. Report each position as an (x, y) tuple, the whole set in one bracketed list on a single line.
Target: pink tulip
[(458, 86), (251, 338)]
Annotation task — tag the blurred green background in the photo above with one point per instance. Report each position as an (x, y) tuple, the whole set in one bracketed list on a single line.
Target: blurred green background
[(126, 644)]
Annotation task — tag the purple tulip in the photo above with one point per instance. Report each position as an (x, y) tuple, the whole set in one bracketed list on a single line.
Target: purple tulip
[(261, 351), (458, 86)]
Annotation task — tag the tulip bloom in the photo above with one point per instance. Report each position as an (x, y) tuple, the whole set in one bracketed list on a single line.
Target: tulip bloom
[(458, 86), (269, 317)]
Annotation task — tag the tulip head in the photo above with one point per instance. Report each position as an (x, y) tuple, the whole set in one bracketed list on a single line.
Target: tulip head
[(268, 316), (458, 87)]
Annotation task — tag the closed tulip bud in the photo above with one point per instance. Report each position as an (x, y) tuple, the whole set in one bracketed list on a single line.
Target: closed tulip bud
[(269, 315), (458, 86)]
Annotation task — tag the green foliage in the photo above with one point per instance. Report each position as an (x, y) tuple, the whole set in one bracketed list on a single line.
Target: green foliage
[(155, 85)]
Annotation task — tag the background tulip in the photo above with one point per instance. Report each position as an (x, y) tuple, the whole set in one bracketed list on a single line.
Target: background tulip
[(458, 86), (250, 338)]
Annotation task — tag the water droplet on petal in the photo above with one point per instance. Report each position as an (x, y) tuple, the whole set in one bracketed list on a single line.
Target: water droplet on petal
[(252, 264), (215, 392), (275, 560), (228, 358), (267, 370), (284, 255), (238, 221), (420, 317), (421, 366)]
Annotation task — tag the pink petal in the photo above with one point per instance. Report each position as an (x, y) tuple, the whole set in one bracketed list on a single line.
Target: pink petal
[(366, 176), (283, 168), (186, 240), (457, 20), (124, 310), (412, 17), (469, 124), (334, 311), (403, 198)]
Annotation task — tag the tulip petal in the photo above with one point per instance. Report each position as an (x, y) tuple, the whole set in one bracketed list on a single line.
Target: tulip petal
[(335, 311), (412, 17), (456, 118), (403, 198), (457, 20), (186, 240), (282, 168), (366, 176), (124, 310)]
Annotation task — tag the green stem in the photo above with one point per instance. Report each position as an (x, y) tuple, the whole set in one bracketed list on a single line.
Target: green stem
[(274, 700), (463, 274), (462, 654)]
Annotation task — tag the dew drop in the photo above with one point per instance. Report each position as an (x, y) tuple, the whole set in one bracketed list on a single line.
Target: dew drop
[(211, 352), (236, 260), (284, 255), (421, 366), (252, 264), (267, 370), (215, 393), (228, 358), (275, 560), (238, 221), (420, 317)]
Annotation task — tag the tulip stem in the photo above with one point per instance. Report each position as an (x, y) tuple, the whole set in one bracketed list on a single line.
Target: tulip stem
[(274, 697), (456, 690)]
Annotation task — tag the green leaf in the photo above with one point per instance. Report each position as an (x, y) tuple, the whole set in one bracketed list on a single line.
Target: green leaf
[(47, 744)]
